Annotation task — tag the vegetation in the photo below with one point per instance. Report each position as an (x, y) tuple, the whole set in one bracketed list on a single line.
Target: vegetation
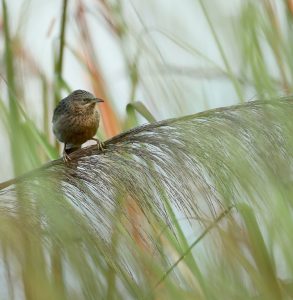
[(194, 207)]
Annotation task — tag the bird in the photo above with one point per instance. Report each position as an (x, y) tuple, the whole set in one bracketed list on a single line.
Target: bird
[(76, 120)]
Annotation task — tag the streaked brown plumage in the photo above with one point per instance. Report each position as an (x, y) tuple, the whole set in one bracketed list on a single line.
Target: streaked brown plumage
[(76, 120)]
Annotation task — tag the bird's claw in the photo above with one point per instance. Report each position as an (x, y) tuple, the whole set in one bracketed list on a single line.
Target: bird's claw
[(66, 157), (101, 145)]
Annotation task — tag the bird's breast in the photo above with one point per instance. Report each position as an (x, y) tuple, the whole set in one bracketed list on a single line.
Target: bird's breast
[(76, 128)]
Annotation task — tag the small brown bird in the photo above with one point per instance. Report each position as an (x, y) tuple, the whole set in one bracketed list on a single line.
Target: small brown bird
[(76, 120)]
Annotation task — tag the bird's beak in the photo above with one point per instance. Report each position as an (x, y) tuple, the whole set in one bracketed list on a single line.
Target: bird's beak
[(97, 100)]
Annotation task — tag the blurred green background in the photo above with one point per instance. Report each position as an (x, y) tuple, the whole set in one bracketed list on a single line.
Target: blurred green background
[(176, 58), (149, 60)]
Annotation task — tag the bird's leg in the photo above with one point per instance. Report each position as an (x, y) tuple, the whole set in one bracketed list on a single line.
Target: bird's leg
[(66, 157), (100, 144)]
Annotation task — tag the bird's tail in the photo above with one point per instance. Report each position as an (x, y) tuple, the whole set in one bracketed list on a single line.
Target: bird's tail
[(71, 148)]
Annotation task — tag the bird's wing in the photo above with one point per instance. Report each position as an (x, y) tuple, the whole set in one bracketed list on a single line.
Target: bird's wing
[(60, 109)]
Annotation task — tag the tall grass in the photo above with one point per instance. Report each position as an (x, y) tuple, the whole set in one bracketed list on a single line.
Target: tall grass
[(195, 207)]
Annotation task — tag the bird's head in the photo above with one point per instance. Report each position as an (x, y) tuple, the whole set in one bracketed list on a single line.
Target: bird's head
[(83, 99)]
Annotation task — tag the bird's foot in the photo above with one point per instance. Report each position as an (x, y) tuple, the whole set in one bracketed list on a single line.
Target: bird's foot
[(66, 157), (101, 145)]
